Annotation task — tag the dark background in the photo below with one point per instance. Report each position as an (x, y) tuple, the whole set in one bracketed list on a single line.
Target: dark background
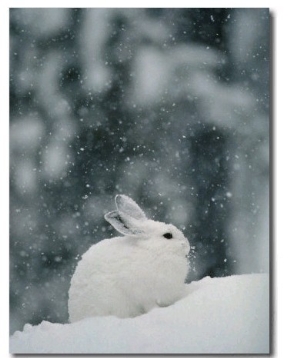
[(168, 106)]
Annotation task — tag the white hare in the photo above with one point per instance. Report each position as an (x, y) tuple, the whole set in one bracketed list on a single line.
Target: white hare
[(129, 275)]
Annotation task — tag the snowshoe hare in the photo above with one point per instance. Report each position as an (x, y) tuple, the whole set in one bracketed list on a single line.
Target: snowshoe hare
[(129, 275)]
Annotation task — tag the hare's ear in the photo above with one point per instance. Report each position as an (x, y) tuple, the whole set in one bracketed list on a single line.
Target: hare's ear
[(129, 208), (121, 223)]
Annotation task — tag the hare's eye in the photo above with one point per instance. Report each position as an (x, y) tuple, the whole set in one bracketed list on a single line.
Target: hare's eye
[(168, 235)]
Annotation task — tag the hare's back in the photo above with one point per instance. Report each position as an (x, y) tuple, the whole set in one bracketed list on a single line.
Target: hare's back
[(108, 255)]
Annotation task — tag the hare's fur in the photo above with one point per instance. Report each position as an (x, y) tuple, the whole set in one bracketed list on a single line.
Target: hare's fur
[(129, 275)]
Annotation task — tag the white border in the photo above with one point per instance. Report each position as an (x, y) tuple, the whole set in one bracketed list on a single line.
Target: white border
[(4, 150), (132, 3), (286, 130)]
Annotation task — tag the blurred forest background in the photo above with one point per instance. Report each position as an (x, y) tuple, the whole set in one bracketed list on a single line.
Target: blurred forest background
[(168, 106)]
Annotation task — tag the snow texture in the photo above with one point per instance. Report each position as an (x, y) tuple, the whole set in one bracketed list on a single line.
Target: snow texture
[(217, 315)]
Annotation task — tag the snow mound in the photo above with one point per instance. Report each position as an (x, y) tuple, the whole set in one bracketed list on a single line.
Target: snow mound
[(217, 315)]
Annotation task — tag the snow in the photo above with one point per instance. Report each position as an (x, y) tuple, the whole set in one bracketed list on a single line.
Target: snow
[(217, 315)]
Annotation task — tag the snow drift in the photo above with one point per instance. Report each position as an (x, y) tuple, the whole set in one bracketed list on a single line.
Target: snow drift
[(217, 315)]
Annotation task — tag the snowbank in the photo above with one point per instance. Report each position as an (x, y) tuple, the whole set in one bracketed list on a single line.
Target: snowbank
[(219, 315)]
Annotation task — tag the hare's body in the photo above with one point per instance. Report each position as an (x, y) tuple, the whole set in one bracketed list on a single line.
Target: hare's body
[(129, 275)]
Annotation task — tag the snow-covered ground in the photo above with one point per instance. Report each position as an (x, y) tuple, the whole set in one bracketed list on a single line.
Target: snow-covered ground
[(217, 315)]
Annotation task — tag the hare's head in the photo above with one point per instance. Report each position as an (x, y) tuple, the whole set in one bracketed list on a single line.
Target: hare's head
[(130, 220)]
